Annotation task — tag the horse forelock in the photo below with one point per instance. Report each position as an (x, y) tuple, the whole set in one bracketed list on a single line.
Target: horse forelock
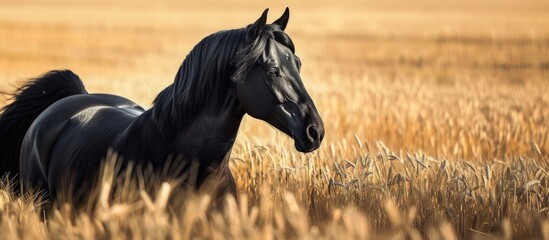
[(247, 57)]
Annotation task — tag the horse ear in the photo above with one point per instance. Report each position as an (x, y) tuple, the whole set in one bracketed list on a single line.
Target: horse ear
[(258, 25), (283, 20)]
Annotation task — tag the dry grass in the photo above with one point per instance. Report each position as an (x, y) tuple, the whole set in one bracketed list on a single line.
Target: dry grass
[(436, 118)]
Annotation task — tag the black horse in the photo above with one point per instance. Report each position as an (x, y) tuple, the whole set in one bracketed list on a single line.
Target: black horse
[(54, 129)]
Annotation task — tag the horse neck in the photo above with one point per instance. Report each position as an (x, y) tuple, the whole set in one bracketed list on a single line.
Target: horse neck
[(198, 116), (206, 137), (210, 135)]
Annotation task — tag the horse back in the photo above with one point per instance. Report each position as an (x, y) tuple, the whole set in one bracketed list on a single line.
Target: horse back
[(66, 142)]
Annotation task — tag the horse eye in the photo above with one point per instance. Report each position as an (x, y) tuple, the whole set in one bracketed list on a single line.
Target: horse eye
[(272, 71)]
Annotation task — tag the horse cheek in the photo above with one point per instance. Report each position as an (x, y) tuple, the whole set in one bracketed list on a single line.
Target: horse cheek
[(255, 97)]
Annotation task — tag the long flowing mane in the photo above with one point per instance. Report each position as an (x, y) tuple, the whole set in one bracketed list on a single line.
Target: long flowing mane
[(201, 80)]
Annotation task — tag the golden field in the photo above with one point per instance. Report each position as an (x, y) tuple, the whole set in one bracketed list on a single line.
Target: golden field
[(436, 116)]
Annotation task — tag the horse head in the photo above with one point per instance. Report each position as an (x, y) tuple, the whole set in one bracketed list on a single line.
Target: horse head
[(269, 85)]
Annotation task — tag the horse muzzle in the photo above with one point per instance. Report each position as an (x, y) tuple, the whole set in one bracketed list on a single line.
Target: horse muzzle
[(310, 139), (300, 122)]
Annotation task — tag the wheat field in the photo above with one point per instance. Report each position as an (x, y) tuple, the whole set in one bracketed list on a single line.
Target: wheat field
[(436, 117)]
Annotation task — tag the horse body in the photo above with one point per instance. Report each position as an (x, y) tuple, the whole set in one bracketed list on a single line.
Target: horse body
[(55, 134), (75, 133)]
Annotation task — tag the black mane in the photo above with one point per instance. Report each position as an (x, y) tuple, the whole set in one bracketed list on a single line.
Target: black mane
[(202, 75)]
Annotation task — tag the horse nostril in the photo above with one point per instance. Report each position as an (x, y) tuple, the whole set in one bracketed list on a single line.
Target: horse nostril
[(312, 134)]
